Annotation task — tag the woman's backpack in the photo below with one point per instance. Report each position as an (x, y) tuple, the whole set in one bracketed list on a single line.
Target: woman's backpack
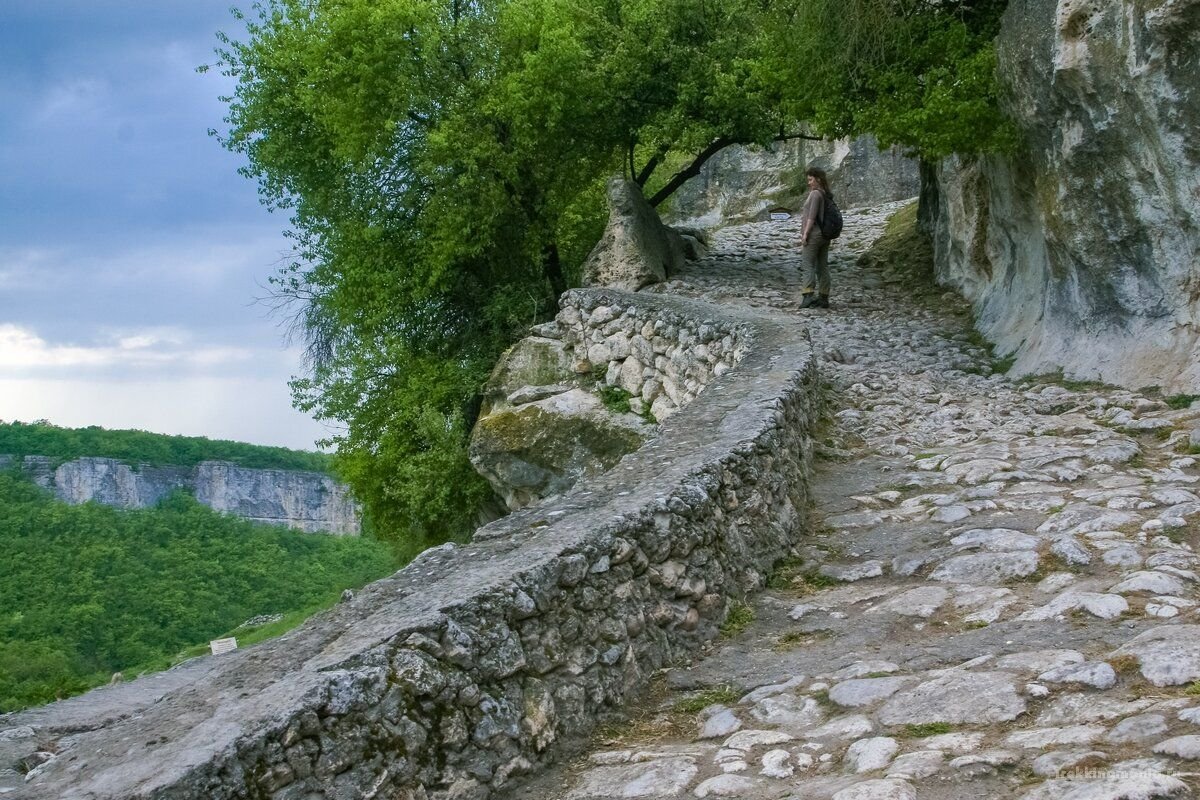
[(831, 219)]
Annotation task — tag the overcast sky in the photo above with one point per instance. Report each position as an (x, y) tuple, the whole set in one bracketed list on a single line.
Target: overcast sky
[(131, 251)]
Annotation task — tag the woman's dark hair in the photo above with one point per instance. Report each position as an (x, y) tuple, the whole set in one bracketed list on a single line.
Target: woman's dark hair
[(822, 179)]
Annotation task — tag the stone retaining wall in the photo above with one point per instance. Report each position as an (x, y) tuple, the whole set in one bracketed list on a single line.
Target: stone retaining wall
[(475, 664), (663, 358)]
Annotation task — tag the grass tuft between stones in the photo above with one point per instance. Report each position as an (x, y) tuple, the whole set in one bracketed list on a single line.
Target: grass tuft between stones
[(1181, 401), (737, 620), (724, 695), (785, 571), (1125, 664), (614, 398), (794, 639), (927, 729), (1057, 378), (789, 576)]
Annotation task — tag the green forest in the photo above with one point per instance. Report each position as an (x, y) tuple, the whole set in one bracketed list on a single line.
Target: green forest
[(443, 166), (141, 447), (87, 591)]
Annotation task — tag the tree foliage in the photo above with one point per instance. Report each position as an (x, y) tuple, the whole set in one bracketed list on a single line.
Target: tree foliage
[(916, 73), (86, 591), (142, 447), (443, 163)]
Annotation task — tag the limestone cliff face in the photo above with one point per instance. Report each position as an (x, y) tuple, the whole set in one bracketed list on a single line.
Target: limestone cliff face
[(308, 501), (742, 184), (1081, 253)]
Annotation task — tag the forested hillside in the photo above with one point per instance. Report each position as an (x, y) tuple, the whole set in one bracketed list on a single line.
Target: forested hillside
[(143, 447), (86, 591)]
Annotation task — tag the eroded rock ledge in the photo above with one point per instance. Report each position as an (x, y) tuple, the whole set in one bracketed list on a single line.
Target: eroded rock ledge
[(478, 663)]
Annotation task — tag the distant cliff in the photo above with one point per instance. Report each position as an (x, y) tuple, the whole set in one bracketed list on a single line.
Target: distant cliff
[(307, 501)]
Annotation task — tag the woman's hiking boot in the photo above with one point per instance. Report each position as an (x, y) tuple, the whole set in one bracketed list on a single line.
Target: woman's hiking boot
[(822, 301), (809, 301)]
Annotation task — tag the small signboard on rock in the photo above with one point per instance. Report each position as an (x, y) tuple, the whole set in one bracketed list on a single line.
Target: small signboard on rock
[(779, 213), (219, 646)]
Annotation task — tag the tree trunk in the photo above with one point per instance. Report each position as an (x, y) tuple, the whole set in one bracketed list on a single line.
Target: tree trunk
[(651, 165), (690, 171), (693, 169), (552, 269)]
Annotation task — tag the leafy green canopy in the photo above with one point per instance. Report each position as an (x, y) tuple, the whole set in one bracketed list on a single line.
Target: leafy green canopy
[(916, 73), (143, 447), (89, 590), (443, 165)]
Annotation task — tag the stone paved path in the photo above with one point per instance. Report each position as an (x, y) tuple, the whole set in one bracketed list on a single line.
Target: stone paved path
[(1000, 599)]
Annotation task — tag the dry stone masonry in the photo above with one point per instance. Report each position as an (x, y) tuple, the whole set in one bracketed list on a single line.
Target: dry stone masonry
[(478, 664), (1000, 599), (543, 424), (308, 501), (661, 356)]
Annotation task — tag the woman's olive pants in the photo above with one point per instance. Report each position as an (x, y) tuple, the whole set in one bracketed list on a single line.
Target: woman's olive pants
[(814, 264)]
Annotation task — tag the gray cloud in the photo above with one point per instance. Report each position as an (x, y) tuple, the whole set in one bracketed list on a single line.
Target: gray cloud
[(132, 252)]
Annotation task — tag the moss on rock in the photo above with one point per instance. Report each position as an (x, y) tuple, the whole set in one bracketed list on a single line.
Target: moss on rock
[(540, 449)]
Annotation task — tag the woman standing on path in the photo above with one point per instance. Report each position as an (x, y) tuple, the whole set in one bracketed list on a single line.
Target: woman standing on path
[(814, 255)]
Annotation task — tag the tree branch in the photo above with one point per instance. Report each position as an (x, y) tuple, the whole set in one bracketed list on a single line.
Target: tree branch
[(691, 170), (651, 165), (787, 137), (552, 269)]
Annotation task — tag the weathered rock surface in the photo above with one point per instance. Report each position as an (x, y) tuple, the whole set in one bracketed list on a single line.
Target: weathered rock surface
[(741, 184), (956, 697), (533, 362), (1168, 655), (667, 777), (542, 448), (307, 501), (637, 249), (1079, 253)]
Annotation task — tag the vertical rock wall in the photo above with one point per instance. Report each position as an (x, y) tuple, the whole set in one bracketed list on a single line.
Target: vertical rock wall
[(307, 501), (741, 184), (1080, 253)]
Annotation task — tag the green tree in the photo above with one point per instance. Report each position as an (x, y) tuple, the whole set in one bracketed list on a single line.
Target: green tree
[(916, 73), (443, 164)]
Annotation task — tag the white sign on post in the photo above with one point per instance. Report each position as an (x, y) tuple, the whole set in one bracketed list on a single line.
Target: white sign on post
[(219, 646)]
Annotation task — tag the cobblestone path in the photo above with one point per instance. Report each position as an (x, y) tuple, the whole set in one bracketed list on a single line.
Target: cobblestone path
[(999, 599)]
